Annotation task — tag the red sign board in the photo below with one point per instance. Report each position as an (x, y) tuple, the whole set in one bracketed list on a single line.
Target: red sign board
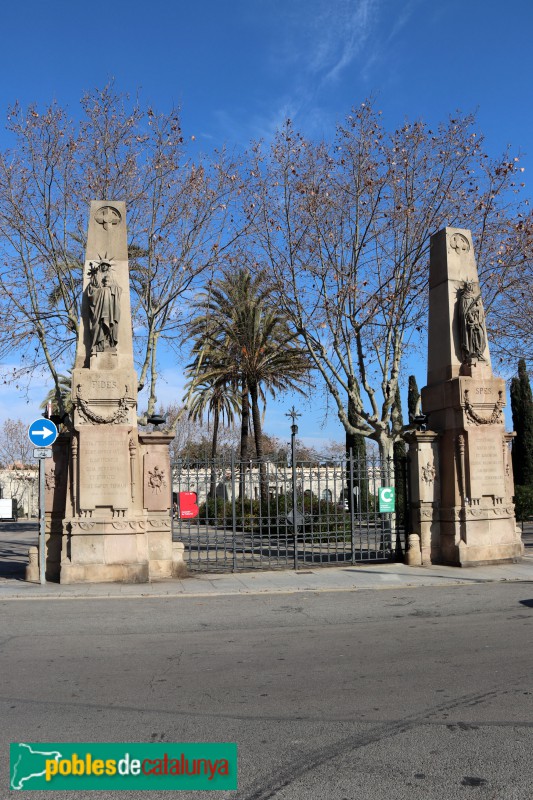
[(187, 505)]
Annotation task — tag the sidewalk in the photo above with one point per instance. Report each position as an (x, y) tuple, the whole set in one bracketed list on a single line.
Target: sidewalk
[(346, 578)]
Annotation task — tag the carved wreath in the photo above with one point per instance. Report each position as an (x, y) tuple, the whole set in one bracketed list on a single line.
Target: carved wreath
[(429, 473), (118, 416), (156, 480), (495, 417)]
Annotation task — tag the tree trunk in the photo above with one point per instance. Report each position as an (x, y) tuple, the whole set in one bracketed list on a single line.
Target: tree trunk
[(357, 478), (386, 453), (213, 482), (256, 417), (245, 426), (399, 455)]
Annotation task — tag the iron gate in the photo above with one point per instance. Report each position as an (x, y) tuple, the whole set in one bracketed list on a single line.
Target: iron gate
[(234, 516)]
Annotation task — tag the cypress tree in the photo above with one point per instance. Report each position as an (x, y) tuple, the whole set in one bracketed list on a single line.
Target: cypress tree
[(413, 398), (399, 448), (522, 408)]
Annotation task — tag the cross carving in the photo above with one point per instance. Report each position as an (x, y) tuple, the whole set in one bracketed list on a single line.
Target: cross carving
[(106, 216), (459, 243)]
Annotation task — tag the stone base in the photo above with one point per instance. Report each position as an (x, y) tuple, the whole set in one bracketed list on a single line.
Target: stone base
[(469, 541), (179, 568), (471, 556), (152, 570), (100, 550), (104, 573)]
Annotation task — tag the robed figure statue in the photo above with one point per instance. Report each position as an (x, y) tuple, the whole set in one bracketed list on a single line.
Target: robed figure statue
[(472, 324), (103, 294)]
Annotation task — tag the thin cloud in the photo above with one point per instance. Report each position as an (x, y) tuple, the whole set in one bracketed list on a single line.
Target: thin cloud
[(324, 37), (346, 38), (403, 18), (242, 126), (316, 45)]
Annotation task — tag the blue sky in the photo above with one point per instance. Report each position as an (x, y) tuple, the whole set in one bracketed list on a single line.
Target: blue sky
[(239, 68)]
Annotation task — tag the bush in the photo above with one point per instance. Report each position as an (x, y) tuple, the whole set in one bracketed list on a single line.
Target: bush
[(523, 502), (322, 519), (247, 512)]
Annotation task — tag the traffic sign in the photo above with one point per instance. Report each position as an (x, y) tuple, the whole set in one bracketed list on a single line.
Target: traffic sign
[(300, 519), (42, 432), (387, 499), (42, 452)]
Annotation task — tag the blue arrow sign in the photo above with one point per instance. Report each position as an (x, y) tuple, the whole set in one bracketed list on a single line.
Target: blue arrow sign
[(42, 432)]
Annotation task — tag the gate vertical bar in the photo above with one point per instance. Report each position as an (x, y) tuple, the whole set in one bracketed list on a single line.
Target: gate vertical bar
[(233, 512), (398, 549), (408, 509), (406, 503), (351, 505)]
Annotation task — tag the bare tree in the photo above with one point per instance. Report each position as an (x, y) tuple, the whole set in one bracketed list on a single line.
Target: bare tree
[(508, 277), (179, 222), (16, 450), (344, 229), (19, 470)]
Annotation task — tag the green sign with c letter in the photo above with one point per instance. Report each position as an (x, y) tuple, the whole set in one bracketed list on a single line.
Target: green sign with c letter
[(387, 499)]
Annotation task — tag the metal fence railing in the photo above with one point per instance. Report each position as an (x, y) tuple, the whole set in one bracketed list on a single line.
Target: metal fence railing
[(232, 515)]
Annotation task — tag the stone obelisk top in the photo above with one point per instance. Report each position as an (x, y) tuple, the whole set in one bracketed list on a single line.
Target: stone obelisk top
[(105, 338), (457, 338), (104, 387)]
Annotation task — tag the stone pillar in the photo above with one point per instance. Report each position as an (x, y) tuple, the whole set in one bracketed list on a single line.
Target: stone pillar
[(164, 556), (108, 487), (464, 402), (424, 483)]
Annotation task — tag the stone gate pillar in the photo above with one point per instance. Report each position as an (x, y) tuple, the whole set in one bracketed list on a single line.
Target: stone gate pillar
[(424, 500), (108, 487), (473, 485)]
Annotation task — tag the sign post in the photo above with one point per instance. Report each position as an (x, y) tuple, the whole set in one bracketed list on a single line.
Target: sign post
[(42, 433)]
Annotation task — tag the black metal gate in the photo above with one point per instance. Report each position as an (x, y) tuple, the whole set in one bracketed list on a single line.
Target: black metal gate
[(233, 516)]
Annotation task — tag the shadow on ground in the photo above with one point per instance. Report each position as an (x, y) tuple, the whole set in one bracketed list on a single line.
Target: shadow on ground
[(15, 538)]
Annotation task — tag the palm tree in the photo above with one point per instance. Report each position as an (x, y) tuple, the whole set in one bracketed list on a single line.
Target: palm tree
[(241, 340), (62, 405), (218, 399)]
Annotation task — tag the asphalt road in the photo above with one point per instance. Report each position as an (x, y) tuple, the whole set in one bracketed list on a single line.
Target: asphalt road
[(379, 695)]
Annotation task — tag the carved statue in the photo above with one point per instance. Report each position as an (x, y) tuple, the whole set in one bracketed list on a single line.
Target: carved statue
[(103, 294), (50, 480), (472, 324)]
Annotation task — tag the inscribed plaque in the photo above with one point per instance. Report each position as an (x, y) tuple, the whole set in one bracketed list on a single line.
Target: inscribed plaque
[(104, 467)]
